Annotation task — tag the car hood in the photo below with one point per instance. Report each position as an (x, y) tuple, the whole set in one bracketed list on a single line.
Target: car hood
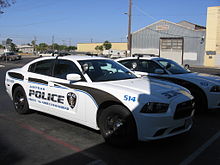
[(146, 86)]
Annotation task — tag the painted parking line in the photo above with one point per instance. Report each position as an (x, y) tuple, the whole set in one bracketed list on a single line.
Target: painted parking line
[(55, 140), (2, 66), (195, 154)]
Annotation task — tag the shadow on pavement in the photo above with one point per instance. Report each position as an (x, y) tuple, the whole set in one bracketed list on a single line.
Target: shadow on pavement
[(8, 153), (167, 151)]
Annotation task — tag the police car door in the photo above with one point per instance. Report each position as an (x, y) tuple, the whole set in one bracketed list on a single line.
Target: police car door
[(67, 103), (37, 84)]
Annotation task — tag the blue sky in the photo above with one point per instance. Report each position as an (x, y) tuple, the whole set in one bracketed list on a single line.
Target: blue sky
[(81, 21)]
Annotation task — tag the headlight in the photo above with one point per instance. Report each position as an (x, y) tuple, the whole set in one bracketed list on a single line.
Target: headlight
[(153, 107), (215, 88)]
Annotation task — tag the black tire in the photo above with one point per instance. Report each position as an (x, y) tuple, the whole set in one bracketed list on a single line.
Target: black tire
[(201, 104), (20, 101), (117, 126)]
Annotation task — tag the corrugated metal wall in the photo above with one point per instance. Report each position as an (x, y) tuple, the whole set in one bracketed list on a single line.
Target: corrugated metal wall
[(147, 40)]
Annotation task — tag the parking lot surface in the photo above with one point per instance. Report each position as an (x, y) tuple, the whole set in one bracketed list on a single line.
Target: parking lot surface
[(38, 138)]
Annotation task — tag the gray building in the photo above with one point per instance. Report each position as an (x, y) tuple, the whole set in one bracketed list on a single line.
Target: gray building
[(182, 42)]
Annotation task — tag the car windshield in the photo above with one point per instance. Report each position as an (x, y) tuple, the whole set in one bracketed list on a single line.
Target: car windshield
[(105, 70), (172, 67)]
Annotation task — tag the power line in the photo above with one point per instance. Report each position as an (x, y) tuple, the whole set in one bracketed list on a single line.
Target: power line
[(145, 14)]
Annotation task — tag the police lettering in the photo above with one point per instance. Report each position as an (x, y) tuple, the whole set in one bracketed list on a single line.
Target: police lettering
[(48, 96)]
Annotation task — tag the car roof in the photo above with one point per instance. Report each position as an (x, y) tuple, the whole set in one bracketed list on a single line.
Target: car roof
[(144, 58), (81, 57), (69, 57)]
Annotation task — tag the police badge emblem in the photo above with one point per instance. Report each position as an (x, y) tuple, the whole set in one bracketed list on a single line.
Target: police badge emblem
[(71, 98)]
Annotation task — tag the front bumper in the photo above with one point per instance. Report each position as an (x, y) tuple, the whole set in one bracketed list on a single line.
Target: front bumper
[(158, 126)]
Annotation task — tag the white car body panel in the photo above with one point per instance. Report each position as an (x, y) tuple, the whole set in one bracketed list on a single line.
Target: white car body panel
[(50, 95), (204, 81)]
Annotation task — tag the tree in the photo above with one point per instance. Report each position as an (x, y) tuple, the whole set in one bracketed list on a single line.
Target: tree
[(42, 47), (2, 47), (33, 42), (13, 47), (55, 46), (5, 4), (99, 48), (107, 45), (63, 47), (72, 48)]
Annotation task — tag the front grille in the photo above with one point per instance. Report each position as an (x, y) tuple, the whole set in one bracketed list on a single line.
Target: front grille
[(184, 109)]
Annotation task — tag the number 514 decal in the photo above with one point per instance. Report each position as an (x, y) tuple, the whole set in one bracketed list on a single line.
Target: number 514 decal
[(129, 98)]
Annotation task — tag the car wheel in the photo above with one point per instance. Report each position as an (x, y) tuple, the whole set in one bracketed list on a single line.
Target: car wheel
[(20, 101), (201, 104), (117, 126)]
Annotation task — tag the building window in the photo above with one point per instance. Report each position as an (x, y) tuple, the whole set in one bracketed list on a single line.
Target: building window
[(171, 43)]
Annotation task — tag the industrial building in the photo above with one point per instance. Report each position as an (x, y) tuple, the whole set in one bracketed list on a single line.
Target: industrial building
[(212, 48), (183, 42)]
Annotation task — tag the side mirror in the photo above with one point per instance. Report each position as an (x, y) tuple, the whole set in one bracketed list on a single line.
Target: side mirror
[(159, 71), (73, 77)]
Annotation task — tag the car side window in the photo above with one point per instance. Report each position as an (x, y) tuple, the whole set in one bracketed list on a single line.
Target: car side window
[(148, 66), (129, 64), (43, 67), (32, 67), (64, 67)]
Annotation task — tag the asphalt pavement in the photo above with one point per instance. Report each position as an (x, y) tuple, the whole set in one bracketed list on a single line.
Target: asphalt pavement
[(38, 138)]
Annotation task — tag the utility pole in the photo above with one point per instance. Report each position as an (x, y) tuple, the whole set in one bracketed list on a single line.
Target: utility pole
[(53, 43), (35, 40), (129, 27)]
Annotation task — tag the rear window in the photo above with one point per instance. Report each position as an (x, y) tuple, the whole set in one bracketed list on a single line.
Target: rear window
[(42, 67)]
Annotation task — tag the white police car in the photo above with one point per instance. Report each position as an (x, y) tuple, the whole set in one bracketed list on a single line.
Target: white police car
[(102, 94), (204, 87)]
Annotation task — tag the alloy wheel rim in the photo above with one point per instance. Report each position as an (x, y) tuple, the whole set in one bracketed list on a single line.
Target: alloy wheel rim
[(19, 100)]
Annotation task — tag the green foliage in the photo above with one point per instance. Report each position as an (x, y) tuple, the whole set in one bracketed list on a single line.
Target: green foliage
[(72, 48), (55, 47), (107, 45), (13, 47), (2, 47), (33, 42), (99, 48), (5, 4), (42, 47)]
